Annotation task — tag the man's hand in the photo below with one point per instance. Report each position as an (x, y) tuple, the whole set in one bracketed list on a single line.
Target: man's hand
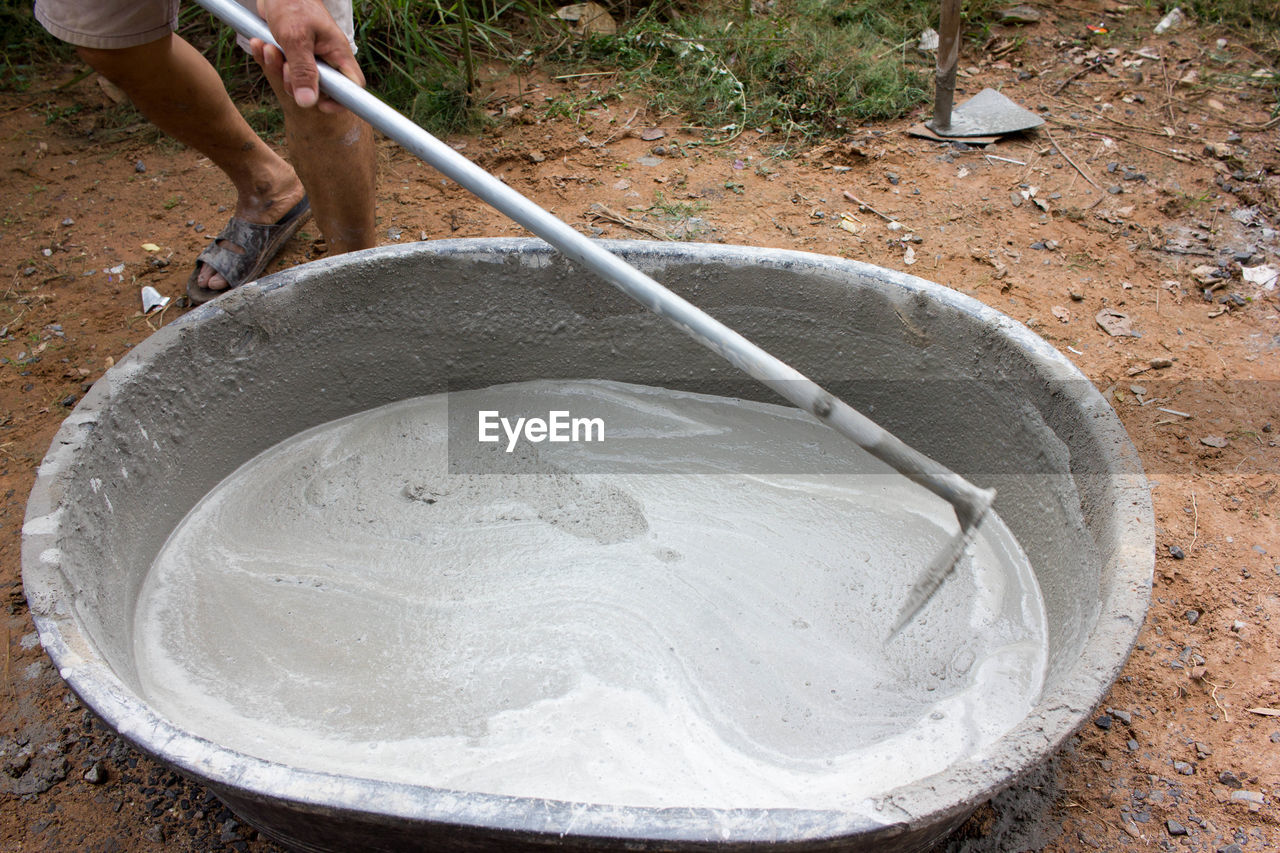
[(305, 30)]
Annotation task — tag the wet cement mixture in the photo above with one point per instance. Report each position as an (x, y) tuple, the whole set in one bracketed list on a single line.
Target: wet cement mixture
[(1102, 231), (675, 615)]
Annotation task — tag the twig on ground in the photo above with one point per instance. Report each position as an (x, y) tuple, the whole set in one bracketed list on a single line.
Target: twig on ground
[(1067, 157), (1092, 66), (1195, 522), (1213, 694), (601, 212), (886, 217)]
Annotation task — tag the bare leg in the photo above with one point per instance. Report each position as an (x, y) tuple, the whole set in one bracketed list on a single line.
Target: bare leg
[(175, 87), (335, 156)]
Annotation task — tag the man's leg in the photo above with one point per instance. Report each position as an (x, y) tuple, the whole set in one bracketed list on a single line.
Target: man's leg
[(331, 148), (175, 87), (335, 157)]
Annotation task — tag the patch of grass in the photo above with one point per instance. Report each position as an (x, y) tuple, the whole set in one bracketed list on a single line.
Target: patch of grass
[(813, 66), (573, 106), (24, 44), (62, 114), (264, 117), (420, 57), (1259, 16), (676, 210)]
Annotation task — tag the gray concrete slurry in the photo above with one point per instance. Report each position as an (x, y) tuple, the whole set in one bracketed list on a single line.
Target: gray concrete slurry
[(687, 613)]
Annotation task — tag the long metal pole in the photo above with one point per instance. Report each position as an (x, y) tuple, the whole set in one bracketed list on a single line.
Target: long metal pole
[(970, 502), (948, 59)]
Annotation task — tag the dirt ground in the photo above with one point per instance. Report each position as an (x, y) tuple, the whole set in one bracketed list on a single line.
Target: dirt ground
[(1156, 177)]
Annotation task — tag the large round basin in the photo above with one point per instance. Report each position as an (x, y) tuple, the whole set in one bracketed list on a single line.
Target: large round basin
[(961, 382)]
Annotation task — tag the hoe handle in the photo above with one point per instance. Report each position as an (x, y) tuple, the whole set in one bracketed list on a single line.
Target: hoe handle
[(970, 502)]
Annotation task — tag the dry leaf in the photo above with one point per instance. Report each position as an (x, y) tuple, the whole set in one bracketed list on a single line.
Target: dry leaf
[(1214, 441), (112, 91), (1266, 712), (588, 19), (853, 226), (649, 134)]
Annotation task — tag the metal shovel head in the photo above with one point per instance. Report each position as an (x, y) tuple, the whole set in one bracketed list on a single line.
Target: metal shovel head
[(987, 113)]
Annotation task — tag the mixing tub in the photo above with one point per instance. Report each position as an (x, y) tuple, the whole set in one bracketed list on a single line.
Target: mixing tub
[(957, 380)]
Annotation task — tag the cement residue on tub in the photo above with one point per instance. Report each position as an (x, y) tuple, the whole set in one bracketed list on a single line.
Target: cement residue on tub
[(633, 622)]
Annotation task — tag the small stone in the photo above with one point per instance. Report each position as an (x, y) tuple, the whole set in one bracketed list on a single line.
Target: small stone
[(155, 834), (1132, 745), (199, 227), (1177, 553), (28, 271), (1231, 848), (1123, 716), (139, 167), (96, 774), (1115, 189), (1174, 827), (536, 156), (893, 178), (1076, 295), (1231, 780), (1238, 626), (1185, 768), (68, 401), (1020, 15), (228, 833), (1132, 828), (16, 765), (1252, 799), (1275, 737), (1160, 363), (68, 222), (1103, 722), (1193, 616)]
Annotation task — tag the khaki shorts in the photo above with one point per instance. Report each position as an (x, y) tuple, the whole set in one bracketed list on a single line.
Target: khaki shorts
[(110, 24)]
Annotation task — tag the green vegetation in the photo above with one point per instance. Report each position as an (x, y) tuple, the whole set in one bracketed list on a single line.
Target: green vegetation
[(810, 66), (804, 67), (1261, 17), (417, 56), (23, 44)]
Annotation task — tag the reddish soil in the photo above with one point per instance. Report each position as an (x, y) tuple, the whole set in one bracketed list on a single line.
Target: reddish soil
[(1112, 206)]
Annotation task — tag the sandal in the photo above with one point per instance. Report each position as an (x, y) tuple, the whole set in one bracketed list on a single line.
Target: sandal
[(261, 245)]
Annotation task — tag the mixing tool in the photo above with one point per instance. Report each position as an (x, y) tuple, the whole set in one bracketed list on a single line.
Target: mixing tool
[(987, 113), (969, 501)]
